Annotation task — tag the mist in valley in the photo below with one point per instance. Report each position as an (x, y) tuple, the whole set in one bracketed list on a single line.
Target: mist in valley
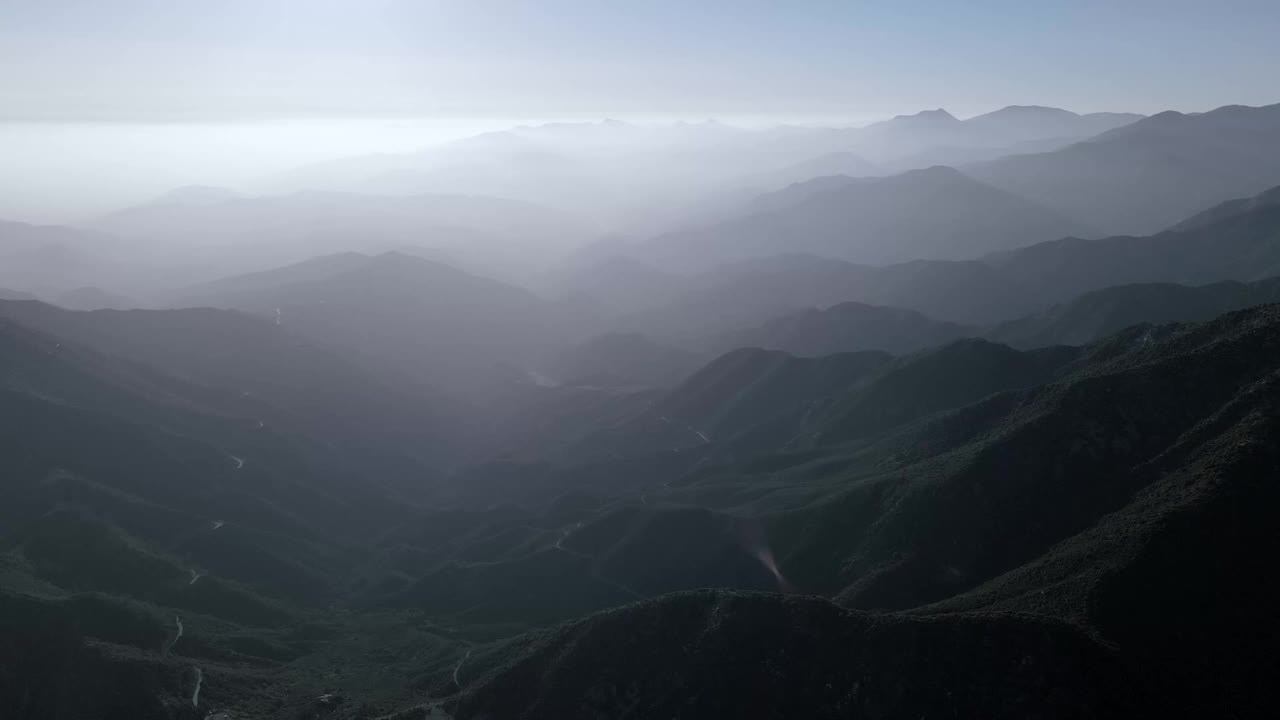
[(573, 360)]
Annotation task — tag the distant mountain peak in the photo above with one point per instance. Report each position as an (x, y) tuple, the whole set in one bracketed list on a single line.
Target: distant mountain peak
[(1029, 110), (939, 115), (935, 171)]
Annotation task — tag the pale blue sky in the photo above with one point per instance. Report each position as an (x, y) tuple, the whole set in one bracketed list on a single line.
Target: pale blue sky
[(161, 60)]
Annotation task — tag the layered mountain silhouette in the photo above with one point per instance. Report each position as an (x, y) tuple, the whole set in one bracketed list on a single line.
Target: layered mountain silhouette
[(1049, 499), (851, 327), (6, 294), (574, 165), (931, 131), (35, 258), (400, 315), (1241, 246), (1100, 313), (235, 234), (620, 359), (847, 327), (272, 379), (1144, 177), (1008, 517), (875, 439), (936, 213)]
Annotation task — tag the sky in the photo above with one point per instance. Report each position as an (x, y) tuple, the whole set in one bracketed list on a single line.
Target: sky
[(149, 94), (167, 60)]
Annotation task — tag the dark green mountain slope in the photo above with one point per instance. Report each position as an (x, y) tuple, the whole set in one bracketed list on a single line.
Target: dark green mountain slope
[(847, 327), (266, 375), (1113, 525), (725, 654), (752, 402), (85, 434), (1097, 314), (133, 503), (407, 319), (749, 397)]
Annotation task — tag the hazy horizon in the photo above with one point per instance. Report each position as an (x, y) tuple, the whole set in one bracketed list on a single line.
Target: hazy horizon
[(68, 172), (103, 105)]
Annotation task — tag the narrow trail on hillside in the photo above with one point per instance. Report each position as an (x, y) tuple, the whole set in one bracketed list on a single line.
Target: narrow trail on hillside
[(164, 651), (701, 435), (459, 667), (564, 534), (195, 696)]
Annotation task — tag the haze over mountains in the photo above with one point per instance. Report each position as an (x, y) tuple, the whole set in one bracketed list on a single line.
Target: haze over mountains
[(936, 213), (1146, 176), (573, 166), (932, 417)]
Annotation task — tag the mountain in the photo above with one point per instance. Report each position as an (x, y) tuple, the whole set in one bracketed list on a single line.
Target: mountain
[(613, 172), (751, 293), (1027, 123), (936, 213), (931, 381), (92, 298), (1242, 246), (1229, 209), (623, 174), (6, 294), (1054, 534), (316, 269), (153, 537), (756, 655), (106, 441), (416, 219), (1144, 177), (53, 257), (995, 133), (847, 327), (745, 402), (971, 524), (1097, 314), (220, 235), (834, 163), (750, 402), (403, 317), (610, 284), (251, 368), (746, 387), (620, 359)]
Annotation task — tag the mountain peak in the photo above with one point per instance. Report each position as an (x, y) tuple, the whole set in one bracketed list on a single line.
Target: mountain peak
[(1029, 110), (934, 116)]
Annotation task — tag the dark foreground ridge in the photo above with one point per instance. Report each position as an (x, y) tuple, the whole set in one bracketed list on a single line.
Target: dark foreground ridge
[(730, 654), (1093, 547), (968, 530)]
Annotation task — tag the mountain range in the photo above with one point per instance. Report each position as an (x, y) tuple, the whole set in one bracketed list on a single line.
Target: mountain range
[(1005, 518), (1144, 177), (995, 288), (849, 437), (936, 213)]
